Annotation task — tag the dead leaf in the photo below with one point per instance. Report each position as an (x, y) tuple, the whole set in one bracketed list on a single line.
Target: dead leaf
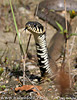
[(29, 87)]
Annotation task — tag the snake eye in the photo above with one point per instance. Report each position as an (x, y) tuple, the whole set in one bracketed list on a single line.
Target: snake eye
[(34, 25)]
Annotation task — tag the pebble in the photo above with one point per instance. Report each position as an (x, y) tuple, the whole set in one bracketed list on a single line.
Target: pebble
[(1, 79), (6, 90), (35, 80), (30, 66), (53, 86), (7, 81), (17, 86), (13, 78), (23, 11)]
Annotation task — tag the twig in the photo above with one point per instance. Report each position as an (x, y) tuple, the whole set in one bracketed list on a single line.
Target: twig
[(73, 41), (53, 76), (66, 46), (46, 17), (28, 43), (36, 9), (24, 59), (65, 35), (15, 38), (65, 14), (72, 45)]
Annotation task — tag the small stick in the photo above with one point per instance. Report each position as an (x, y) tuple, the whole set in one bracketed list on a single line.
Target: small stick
[(65, 14), (70, 52), (36, 9), (28, 43), (73, 41), (65, 34), (24, 59), (67, 47), (15, 38)]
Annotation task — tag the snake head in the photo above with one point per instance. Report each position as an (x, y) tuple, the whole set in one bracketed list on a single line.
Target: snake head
[(34, 27)]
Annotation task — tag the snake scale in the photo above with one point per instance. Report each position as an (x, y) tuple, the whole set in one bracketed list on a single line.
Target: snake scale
[(39, 33)]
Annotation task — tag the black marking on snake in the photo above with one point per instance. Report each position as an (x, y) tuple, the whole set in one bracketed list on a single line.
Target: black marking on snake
[(35, 24), (42, 53), (39, 51)]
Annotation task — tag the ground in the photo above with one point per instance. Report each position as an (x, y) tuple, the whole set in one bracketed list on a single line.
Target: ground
[(10, 57)]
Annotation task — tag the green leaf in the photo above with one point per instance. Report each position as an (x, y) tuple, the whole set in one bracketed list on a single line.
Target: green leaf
[(61, 28), (61, 33), (65, 31), (1, 70), (75, 34), (72, 14), (3, 86), (52, 10)]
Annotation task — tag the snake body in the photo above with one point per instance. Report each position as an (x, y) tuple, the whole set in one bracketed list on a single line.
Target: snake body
[(58, 5), (40, 39), (45, 12)]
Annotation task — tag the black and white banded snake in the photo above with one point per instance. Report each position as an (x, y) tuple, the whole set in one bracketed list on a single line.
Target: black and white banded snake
[(39, 34)]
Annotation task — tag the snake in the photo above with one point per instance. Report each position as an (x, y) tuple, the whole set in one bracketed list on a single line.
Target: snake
[(58, 5), (44, 60), (48, 56), (50, 11)]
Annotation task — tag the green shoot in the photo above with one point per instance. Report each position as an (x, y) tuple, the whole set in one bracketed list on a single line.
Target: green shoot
[(1, 70), (52, 10), (22, 52), (60, 27), (65, 31), (72, 14), (73, 34)]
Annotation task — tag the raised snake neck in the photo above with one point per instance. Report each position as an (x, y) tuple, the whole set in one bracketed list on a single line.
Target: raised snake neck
[(42, 53), (40, 39)]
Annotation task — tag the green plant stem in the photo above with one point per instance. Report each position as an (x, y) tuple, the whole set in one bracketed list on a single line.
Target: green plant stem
[(22, 52)]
